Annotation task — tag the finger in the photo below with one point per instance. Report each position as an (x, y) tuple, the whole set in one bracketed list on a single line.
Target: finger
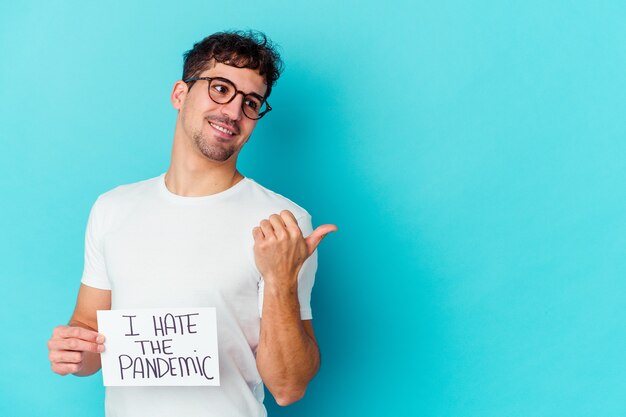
[(268, 230), (288, 217), (65, 356), (65, 368), (314, 239), (279, 226), (291, 223), (257, 234), (78, 333), (77, 345)]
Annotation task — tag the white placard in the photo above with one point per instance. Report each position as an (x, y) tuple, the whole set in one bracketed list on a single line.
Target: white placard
[(159, 347)]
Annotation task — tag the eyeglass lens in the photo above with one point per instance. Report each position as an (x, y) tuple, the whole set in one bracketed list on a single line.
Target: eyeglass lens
[(223, 91)]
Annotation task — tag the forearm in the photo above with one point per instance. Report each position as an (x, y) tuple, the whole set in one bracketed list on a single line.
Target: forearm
[(287, 356)]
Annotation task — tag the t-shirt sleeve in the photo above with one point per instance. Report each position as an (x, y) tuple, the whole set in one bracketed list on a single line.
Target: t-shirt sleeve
[(94, 271), (306, 276)]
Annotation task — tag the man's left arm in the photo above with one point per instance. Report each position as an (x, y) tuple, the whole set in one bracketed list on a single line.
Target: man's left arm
[(287, 355)]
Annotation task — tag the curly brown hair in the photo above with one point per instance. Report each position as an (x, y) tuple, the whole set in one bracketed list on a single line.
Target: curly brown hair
[(242, 49)]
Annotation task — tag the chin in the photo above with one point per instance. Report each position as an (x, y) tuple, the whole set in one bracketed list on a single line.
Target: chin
[(215, 152)]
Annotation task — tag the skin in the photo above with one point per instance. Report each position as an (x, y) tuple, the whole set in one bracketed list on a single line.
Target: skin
[(287, 355), (204, 162)]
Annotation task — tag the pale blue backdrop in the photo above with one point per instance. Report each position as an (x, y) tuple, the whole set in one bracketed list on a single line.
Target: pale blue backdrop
[(472, 154)]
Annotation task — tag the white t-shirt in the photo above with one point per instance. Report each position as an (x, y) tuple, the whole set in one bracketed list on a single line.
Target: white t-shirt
[(156, 249)]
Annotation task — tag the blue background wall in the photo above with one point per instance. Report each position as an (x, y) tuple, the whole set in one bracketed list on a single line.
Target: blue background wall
[(472, 154)]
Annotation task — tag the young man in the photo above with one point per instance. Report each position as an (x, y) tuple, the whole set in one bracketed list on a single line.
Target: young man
[(203, 235)]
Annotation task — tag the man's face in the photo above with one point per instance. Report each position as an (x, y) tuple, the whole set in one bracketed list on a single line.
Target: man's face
[(219, 131)]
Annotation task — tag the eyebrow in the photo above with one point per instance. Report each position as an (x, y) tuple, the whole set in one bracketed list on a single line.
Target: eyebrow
[(252, 93), (259, 96)]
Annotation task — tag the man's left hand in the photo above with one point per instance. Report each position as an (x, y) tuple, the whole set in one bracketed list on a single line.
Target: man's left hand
[(280, 249)]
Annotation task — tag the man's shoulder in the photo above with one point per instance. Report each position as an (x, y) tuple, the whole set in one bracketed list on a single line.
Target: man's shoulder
[(273, 201), (128, 193)]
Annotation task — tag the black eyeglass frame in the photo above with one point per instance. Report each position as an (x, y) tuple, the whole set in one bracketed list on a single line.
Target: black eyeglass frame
[(209, 79)]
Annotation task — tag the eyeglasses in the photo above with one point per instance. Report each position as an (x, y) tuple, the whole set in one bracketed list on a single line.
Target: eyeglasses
[(223, 91)]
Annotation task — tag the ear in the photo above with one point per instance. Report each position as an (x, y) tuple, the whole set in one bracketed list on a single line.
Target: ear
[(179, 92)]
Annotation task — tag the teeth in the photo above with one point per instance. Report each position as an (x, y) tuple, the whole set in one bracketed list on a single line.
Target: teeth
[(221, 129)]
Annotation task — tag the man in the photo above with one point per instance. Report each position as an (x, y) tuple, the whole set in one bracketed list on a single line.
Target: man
[(203, 235)]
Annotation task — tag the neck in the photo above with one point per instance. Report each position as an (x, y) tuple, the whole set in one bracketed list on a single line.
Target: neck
[(193, 175), (199, 183)]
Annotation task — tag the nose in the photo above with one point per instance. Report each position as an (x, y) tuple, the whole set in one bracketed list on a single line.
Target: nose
[(233, 110)]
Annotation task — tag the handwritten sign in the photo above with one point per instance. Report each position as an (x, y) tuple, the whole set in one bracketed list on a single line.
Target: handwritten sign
[(159, 347)]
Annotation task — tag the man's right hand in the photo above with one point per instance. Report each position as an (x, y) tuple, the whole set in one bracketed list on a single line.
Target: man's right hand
[(68, 345)]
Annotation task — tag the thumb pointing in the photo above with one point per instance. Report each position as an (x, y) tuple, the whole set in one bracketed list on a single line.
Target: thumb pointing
[(314, 239)]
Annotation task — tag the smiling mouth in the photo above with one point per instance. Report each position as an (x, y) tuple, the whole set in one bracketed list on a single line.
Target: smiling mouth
[(222, 129)]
